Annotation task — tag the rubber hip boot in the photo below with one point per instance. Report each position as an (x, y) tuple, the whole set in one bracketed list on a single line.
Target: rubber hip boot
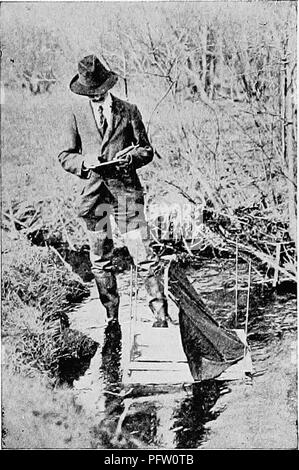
[(108, 293), (158, 301), (111, 354)]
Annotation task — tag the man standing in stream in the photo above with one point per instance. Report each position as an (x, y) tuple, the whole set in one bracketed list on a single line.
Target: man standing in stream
[(105, 143)]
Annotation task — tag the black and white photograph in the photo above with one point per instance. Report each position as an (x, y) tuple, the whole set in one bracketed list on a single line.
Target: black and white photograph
[(149, 228)]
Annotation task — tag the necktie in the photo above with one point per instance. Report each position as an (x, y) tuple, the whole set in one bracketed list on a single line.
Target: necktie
[(102, 121)]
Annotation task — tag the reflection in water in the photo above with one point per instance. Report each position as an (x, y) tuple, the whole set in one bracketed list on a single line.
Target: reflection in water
[(194, 411), (111, 354), (142, 423), (269, 313), (110, 376), (174, 420), (73, 368), (76, 352)]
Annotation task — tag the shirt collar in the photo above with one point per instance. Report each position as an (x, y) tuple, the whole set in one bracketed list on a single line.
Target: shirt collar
[(107, 103)]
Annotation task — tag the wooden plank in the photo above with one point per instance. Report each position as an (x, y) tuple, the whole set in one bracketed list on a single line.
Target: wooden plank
[(158, 357), (162, 377), (157, 344), (169, 366)]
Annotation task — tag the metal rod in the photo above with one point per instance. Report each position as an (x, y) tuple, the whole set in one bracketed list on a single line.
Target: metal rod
[(131, 291), (247, 309), (248, 298), (236, 290), (131, 314), (277, 260), (126, 88), (136, 287)]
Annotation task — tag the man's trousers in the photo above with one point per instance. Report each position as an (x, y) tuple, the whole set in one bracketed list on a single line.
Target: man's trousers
[(124, 206)]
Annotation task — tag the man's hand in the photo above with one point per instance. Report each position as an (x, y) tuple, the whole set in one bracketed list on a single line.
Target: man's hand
[(91, 161), (124, 162)]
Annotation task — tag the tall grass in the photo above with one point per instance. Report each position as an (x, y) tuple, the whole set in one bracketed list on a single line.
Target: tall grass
[(37, 291)]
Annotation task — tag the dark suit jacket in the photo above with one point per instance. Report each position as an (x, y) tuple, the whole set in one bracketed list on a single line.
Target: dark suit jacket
[(82, 136)]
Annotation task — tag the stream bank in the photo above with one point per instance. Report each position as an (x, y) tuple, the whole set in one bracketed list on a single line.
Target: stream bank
[(262, 415), (201, 416)]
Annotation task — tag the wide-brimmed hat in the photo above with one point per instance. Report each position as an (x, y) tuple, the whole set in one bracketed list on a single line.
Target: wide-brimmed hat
[(92, 78)]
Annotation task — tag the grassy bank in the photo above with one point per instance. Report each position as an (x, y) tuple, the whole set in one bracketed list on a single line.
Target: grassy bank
[(37, 291), (36, 342), (36, 417), (263, 414)]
